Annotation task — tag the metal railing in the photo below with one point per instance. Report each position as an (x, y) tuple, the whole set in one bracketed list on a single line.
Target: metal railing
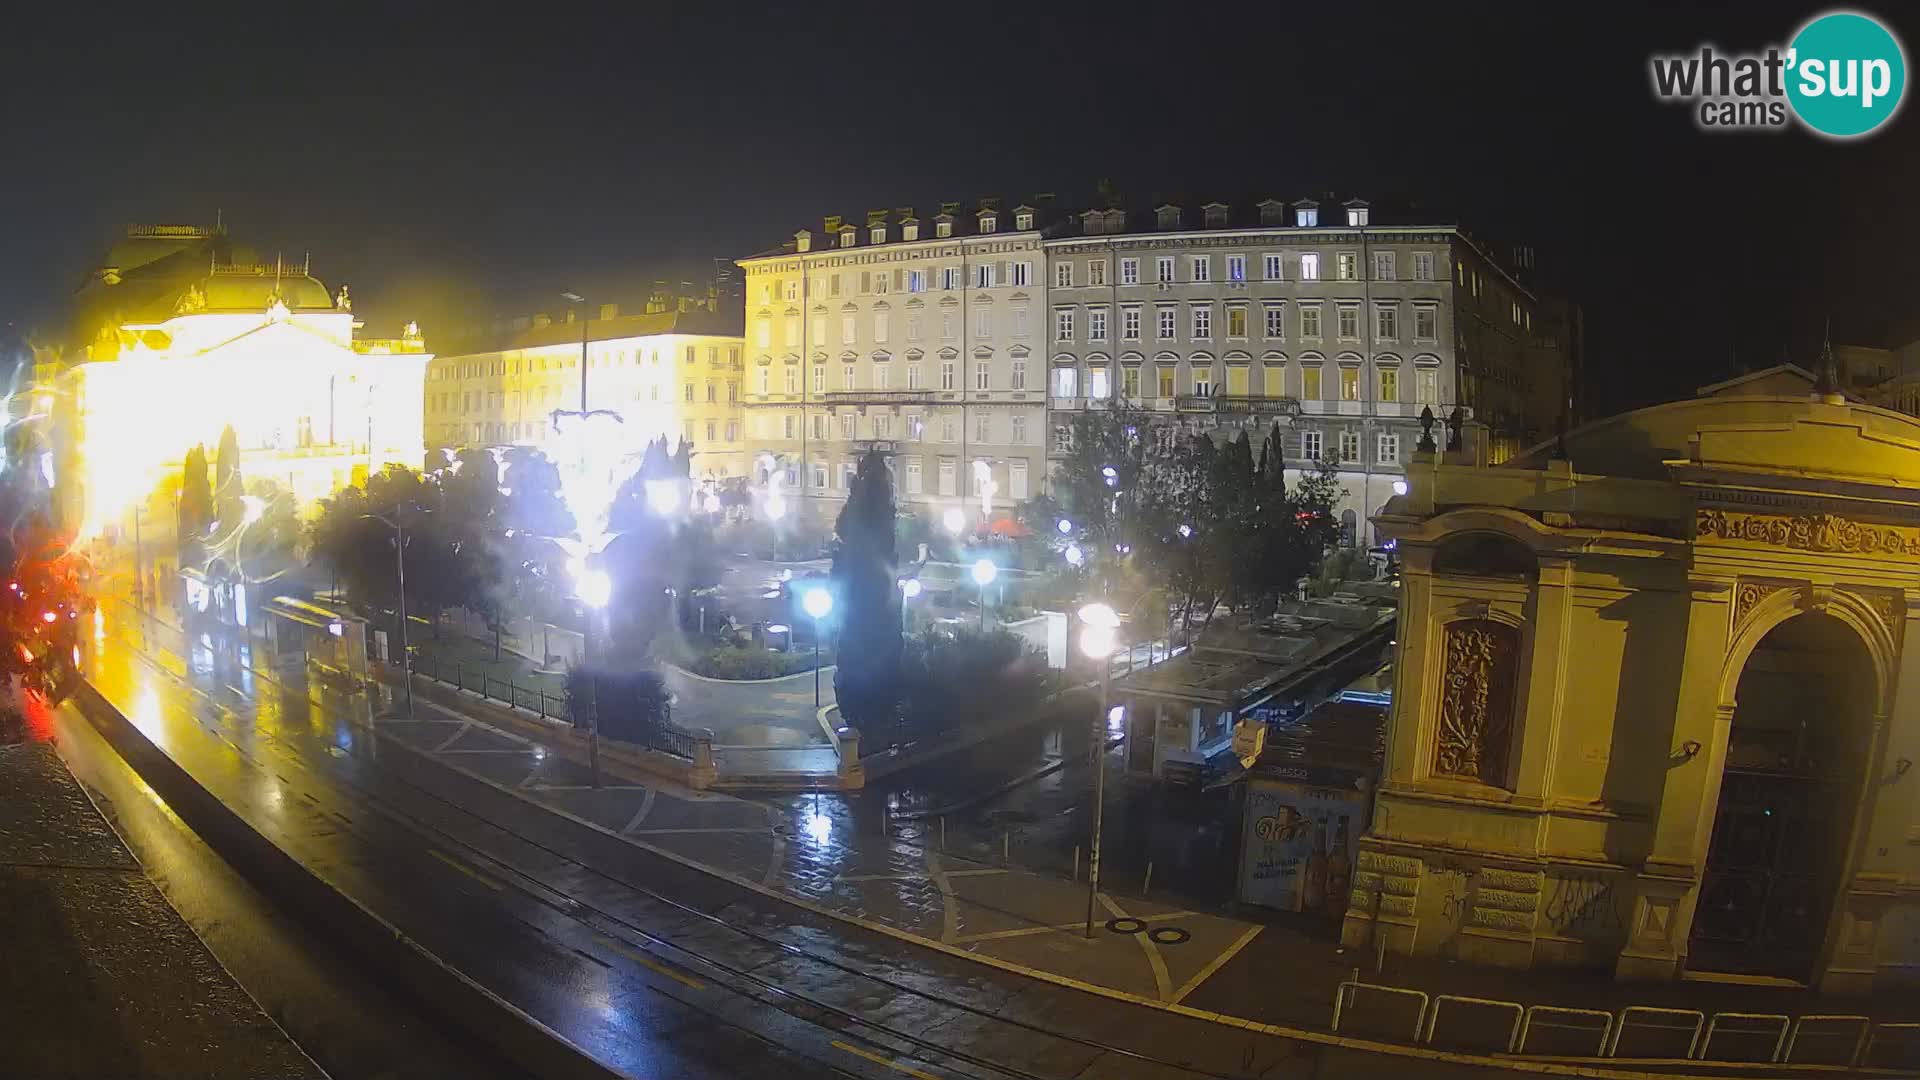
[(667, 738)]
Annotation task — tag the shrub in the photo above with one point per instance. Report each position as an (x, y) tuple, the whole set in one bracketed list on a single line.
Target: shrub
[(632, 705), (749, 663), (964, 676)]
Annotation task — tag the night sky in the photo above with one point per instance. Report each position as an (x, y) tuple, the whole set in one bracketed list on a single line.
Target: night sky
[(451, 164)]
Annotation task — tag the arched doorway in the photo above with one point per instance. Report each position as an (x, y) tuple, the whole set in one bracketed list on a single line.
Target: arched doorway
[(1795, 754)]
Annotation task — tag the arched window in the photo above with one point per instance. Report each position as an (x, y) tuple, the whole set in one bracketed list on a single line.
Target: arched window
[(1484, 554), (1475, 733), (1349, 523)]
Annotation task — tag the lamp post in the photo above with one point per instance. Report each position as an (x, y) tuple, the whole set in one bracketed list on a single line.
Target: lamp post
[(595, 589), (818, 602), (1097, 641), (585, 319), (984, 571), (400, 566)]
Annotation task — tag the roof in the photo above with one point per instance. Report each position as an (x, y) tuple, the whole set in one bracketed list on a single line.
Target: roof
[(1235, 661), (698, 322)]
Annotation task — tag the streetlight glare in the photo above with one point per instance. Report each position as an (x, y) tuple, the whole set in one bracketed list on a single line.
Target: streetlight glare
[(984, 572), (1065, 527), (817, 602), (594, 588), (663, 496), (910, 588), (252, 507), (1099, 615), (1097, 642), (1074, 555), (775, 506), (955, 519), (1399, 487)]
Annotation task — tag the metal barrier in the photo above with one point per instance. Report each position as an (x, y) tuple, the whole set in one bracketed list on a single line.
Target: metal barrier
[(532, 698), (1852, 1056), (1742, 1028), (1907, 1032), (1513, 1029), (1344, 998), (1553, 1018), (1698, 1018)]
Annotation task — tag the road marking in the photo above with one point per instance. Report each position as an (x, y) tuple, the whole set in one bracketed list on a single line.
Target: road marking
[(656, 967), (716, 829), (1159, 964), (878, 1060), (472, 873), (449, 740), (1216, 963), (646, 804), (1024, 931)]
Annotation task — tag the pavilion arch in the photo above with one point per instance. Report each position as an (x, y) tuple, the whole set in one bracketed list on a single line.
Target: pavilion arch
[(1786, 603)]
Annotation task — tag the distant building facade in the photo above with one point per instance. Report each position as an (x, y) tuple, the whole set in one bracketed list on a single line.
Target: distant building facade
[(919, 336), (673, 371)]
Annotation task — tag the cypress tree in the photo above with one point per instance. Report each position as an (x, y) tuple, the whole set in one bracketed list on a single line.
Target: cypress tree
[(864, 568)]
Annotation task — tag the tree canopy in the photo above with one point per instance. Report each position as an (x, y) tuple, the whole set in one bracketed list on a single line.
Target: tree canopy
[(867, 680)]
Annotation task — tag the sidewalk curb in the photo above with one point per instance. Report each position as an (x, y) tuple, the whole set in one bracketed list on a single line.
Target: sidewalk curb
[(445, 992), (747, 682)]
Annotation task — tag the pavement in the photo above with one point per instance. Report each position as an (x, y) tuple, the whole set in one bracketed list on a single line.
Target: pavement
[(101, 977)]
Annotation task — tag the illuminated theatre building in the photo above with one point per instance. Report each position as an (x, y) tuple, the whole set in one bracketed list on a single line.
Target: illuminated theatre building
[(185, 334)]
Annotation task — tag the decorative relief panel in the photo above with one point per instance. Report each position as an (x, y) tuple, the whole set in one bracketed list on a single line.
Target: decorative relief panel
[(1384, 884), (1476, 701), (1809, 532), (1748, 596), (1889, 604)]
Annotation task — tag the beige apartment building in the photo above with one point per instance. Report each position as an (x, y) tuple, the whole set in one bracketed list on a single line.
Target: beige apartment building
[(921, 336), (674, 373), (1309, 315)]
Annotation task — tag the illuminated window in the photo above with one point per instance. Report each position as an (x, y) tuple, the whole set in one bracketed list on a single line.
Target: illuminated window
[(1306, 217), (1236, 268), (1236, 320), (1163, 380), (1097, 386), (1064, 382), (1309, 266), (1310, 389), (1130, 382), (1356, 216), (1389, 384), (1426, 386), (1349, 384)]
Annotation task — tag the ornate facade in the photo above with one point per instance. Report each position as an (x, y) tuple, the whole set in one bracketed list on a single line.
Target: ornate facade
[(1653, 709)]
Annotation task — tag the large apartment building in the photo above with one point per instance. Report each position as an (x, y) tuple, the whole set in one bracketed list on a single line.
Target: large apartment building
[(919, 336), (1312, 316), (963, 344), (672, 371)]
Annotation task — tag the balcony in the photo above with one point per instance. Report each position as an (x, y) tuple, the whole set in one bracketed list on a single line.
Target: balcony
[(1257, 404), (877, 397)]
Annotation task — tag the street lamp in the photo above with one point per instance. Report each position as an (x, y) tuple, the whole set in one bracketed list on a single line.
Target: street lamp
[(595, 590), (663, 497), (817, 602), (1097, 641), (1074, 555), (400, 567), (585, 320), (1399, 487), (1065, 527), (983, 574)]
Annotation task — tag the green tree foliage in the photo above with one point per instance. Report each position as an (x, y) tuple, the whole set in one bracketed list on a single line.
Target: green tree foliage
[(196, 508), (1101, 506), (228, 486), (867, 601), (450, 560), (965, 676), (654, 558), (533, 502)]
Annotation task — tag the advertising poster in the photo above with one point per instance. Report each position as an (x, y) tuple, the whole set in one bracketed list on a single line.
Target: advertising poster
[(1297, 848)]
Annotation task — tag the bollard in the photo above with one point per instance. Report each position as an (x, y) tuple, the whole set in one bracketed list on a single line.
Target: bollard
[(883, 823), (1076, 862), (943, 834), (1147, 886), (1006, 852)]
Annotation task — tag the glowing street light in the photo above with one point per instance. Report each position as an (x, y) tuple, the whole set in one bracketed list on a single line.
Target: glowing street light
[(955, 519), (1097, 640), (910, 587), (1074, 555), (252, 507), (663, 497), (1065, 527), (818, 603), (775, 506), (983, 574), (1399, 487), (594, 588)]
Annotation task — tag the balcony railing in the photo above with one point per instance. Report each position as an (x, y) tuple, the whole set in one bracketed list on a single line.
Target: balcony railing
[(877, 397)]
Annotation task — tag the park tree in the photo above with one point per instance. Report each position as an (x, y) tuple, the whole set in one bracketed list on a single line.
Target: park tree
[(867, 680), (195, 509), (1100, 505), (229, 508)]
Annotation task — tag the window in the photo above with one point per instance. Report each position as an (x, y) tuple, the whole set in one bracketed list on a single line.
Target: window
[(1163, 269), (733, 431), (1310, 447), (846, 425), (713, 431), (1064, 379), (913, 328), (733, 390), (760, 381), (1310, 384), (882, 325), (983, 276), (1203, 381), (1202, 322), (1097, 385), (1516, 313), (1129, 324), (713, 390), (1096, 272), (1236, 320), (1383, 269), (1016, 479), (847, 471), (819, 378), (1348, 326), (1130, 382), (1023, 222), (1164, 316), (913, 476), (1349, 446), (1022, 273), (1236, 268), (1309, 266), (989, 223), (942, 229), (983, 428), (1063, 324), (913, 376), (687, 393), (1270, 266), (1163, 380), (880, 376), (1346, 268), (1097, 324), (1426, 386), (946, 326), (1349, 384), (950, 277), (1017, 375), (1423, 266), (1389, 448), (847, 332), (1202, 266), (1129, 271), (1386, 322), (819, 472), (787, 425), (916, 281), (981, 473), (1310, 322), (1017, 429), (1425, 320), (1389, 384), (846, 376), (982, 375), (946, 478), (946, 375), (1063, 275), (1357, 215), (818, 424), (883, 426), (1276, 321), (983, 323), (1020, 322), (948, 432), (1063, 438), (763, 334), (1306, 217)]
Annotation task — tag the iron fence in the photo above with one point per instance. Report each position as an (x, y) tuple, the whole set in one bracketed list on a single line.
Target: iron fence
[(666, 738)]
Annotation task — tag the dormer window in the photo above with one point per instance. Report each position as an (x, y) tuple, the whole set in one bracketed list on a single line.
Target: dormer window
[(802, 240), (1273, 212), (1306, 215), (943, 229), (879, 234), (847, 236), (1356, 214), (1216, 215), (1023, 221), (989, 222), (1168, 217), (909, 230)]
